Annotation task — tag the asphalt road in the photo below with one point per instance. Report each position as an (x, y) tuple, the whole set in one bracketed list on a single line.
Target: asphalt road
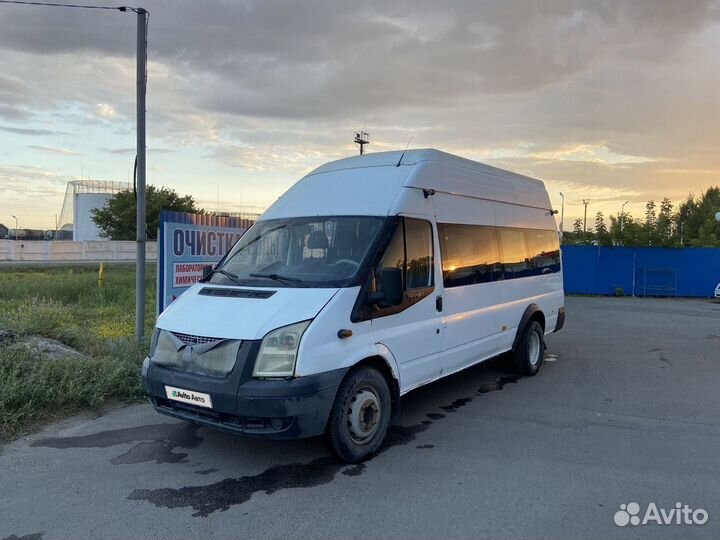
[(625, 411)]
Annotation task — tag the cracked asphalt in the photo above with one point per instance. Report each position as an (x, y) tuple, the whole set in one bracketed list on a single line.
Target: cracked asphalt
[(624, 410)]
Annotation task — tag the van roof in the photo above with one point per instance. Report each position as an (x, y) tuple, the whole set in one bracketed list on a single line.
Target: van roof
[(371, 184), (414, 157)]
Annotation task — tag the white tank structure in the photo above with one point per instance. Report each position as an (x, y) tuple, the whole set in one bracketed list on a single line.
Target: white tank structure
[(81, 197)]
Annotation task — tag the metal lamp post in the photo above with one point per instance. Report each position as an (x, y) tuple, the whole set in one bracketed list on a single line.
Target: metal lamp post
[(622, 220), (682, 234), (141, 223), (141, 235)]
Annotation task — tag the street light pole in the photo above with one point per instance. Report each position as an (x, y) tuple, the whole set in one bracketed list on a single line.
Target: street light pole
[(682, 234), (622, 220), (140, 176), (141, 222), (562, 214)]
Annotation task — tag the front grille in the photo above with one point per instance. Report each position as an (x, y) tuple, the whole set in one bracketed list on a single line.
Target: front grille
[(195, 340)]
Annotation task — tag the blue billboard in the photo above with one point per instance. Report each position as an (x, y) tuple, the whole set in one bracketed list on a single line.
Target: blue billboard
[(186, 243)]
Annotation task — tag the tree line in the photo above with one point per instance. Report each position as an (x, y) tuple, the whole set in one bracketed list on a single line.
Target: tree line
[(691, 224)]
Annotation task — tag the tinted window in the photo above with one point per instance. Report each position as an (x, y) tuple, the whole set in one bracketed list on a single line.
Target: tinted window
[(544, 251), (469, 253), (480, 254), (394, 256), (410, 251), (514, 254), (418, 236)]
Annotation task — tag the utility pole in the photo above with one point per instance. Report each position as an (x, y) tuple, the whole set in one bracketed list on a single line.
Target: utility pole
[(562, 214), (585, 202), (141, 222)]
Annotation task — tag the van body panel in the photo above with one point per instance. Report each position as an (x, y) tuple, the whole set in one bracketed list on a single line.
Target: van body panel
[(414, 338), (241, 318), (352, 192), (321, 349)]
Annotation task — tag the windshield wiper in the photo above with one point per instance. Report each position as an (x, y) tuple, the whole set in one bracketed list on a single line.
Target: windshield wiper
[(232, 277), (278, 277)]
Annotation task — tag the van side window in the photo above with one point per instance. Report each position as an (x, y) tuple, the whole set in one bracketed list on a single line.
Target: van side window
[(469, 253), (474, 254), (409, 257), (418, 235), (514, 253), (393, 258), (544, 251)]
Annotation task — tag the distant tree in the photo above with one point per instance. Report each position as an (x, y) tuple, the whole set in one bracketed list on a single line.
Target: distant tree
[(695, 217), (649, 229), (664, 233), (116, 220), (602, 236), (578, 227)]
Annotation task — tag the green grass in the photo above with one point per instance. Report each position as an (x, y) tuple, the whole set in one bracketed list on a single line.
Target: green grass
[(67, 304)]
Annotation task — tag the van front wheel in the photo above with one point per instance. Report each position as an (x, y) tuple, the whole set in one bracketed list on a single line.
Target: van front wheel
[(528, 356), (360, 416)]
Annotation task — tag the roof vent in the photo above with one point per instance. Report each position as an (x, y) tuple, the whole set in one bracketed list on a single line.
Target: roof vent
[(236, 293)]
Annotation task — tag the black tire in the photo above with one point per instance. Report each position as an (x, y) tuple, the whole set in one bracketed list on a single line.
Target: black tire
[(527, 358), (360, 416)]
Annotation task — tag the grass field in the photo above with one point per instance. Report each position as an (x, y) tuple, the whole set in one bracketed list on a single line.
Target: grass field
[(67, 304)]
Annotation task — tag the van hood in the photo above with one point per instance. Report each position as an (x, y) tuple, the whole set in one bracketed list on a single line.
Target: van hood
[(250, 313)]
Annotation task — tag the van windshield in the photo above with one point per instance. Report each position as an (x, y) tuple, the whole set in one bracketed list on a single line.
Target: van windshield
[(300, 252)]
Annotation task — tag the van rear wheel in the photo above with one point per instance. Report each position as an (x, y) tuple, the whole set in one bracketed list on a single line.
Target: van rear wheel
[(360, 416), (528, 356)]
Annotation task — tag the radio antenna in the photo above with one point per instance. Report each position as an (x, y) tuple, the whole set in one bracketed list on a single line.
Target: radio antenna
[(403, 154)]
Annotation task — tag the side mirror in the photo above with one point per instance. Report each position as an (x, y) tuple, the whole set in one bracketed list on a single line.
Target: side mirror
[(391, 288), (207, 270)]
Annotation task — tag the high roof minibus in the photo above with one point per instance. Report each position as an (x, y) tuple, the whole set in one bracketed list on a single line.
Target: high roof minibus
[(370, 277)]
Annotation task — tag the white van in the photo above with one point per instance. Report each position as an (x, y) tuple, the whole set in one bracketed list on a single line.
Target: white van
[(370, 277)]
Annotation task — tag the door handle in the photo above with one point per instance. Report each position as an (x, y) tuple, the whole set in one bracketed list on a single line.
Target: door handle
[(438, 303)]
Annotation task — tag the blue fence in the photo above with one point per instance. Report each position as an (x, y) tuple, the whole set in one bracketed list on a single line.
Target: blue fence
[(641, 271)]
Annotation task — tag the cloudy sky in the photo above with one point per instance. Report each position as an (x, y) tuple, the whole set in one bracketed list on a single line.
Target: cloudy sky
[(604, 100)]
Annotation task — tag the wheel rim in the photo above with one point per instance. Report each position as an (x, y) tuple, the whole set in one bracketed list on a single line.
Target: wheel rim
[(534, 348), (363, 415)]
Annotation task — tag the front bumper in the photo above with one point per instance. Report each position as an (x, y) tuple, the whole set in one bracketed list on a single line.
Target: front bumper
[(262, 408)]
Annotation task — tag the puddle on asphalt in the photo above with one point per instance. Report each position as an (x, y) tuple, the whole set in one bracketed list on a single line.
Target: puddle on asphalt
[(499, 383), (220, 496), (157, 442), (34, 536), (206, 471)]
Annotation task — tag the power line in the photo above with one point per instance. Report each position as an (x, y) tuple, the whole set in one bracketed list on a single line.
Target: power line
[(77, 6)]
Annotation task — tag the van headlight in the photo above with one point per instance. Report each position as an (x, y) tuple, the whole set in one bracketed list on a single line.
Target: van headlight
[(278, 351)]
